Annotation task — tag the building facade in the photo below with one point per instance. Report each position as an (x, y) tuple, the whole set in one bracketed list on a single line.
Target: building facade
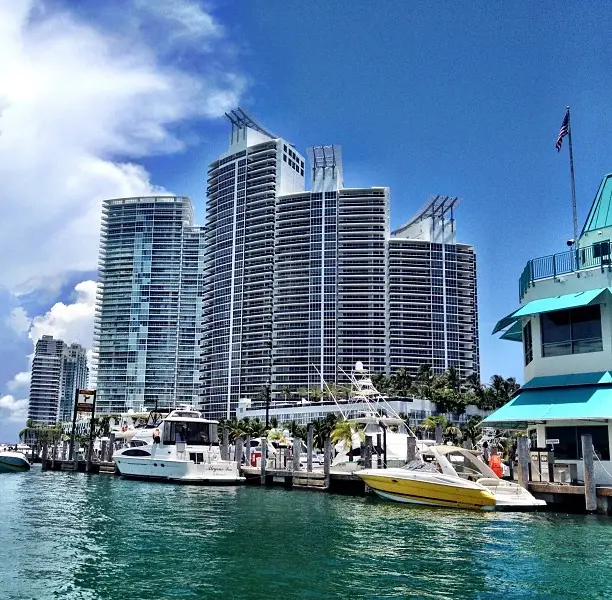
[(147, 326), (329, 272), (239, 236), (433, 305), (300, 285), (46, 381), (75, 376), (58, 370)]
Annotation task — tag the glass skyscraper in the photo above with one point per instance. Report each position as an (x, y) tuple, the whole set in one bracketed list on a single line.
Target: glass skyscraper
[(329, 274), (300, 285), (148, 327), (75, 376), (433, 307), (57, 371), (239, 239)]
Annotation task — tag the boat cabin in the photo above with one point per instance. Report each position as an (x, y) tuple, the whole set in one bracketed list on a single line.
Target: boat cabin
[(189, 427)]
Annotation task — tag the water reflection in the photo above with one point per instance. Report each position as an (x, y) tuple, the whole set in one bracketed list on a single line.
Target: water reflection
[(70, 536)]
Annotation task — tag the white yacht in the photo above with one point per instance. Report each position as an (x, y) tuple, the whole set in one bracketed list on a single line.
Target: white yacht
[(187, 452), (378, 418), (12, 461)]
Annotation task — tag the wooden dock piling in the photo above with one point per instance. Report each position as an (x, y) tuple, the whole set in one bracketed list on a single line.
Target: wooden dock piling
[(225, 444), (297, 451), (248, 450), (264, 457), (439, 436), (309, 444), (378, 450), (368, 452), (410, 449), (522, 450), (44, 456), (590, 491), (326, 463), (238, 452), (111, 448)]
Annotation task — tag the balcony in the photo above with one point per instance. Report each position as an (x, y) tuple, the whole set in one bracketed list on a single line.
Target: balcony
[(596, 256)]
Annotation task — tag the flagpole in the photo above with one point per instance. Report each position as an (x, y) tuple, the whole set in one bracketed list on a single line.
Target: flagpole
[(571, 160)]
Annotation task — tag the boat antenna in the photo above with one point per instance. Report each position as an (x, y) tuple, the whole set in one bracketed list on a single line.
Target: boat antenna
[(330, 392)]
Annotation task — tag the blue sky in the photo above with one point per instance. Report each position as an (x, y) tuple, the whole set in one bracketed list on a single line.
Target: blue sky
[(461, 98)]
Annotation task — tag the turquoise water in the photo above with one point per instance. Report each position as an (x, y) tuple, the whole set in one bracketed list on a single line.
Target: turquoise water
[(69, 535)]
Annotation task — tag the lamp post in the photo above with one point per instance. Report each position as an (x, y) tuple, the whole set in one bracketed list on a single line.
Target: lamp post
[(267, 397)]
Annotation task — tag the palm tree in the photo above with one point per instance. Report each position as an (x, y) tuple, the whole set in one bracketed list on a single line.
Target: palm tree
[(470, 429), (343, 432), (430, 423), (453, 433), (322, 429), (383, 383), (451, 379), (423, 383), (296, 430), (401, 382), (315, 394), (257, 427), (287, 392)]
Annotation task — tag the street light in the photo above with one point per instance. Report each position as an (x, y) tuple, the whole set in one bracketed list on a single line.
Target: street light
[(267, 397)]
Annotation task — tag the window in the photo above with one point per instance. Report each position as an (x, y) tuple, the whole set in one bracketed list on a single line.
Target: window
[(574, 331), (601, 249), (136, 452), (527, 343), (570, 443)]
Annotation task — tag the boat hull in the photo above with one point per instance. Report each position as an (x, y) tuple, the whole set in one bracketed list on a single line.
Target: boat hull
[(177, 471), (429, 493), (9, 463)]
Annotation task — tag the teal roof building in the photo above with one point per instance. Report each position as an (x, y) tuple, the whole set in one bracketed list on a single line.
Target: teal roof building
[(564, 323)]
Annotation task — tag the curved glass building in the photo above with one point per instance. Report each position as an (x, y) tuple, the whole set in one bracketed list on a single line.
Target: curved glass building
[(147, 326), (239, 235)]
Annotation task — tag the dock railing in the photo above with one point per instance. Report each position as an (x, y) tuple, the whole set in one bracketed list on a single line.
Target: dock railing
[(571, 261)]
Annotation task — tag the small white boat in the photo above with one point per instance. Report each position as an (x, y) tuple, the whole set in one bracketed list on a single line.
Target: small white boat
[(449, 476), (13, 462), (188, 452)]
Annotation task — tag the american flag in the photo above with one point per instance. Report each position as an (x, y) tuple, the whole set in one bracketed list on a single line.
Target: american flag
[(563, 131)]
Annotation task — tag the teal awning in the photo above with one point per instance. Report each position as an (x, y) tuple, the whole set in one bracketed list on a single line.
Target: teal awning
[(544, 305), (586, 402), (514, 333), (571, 379)]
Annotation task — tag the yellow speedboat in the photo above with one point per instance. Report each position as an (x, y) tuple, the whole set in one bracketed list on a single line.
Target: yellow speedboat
[(427, 487), (452, 477)]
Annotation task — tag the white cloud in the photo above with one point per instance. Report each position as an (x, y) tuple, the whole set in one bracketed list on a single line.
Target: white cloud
[(12, 409), (21, 381), (69, 322), (76, 99), (191, 20), (18, 320)]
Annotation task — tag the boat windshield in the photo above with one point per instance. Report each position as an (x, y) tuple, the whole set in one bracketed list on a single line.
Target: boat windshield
[(193, 433), (417, 465), (468, 466)]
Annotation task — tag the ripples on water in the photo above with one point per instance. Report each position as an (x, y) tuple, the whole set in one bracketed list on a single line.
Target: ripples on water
[(70, 536)]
